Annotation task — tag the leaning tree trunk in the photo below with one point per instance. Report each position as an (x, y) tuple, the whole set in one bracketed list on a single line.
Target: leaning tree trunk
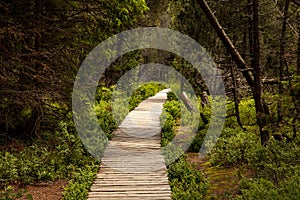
[(254, 81)]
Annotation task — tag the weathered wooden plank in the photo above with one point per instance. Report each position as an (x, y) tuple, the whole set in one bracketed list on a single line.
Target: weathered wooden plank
[(133, 166)]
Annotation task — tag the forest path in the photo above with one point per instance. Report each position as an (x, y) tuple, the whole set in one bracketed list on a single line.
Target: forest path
[(133, 166)]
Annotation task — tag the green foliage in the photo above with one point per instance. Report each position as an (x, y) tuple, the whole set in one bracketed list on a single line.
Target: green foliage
[(79, 186), (198, 140), (266, 190), (187, 183), (103, 93), (143, 92), (168, 129), (169, 118), (275, 167), (234, 147), (185, 180), (9, 193), (171, 96), (173, 108), (52, 156), (42, 55), (277, 161), (247, 113), (105, 117)]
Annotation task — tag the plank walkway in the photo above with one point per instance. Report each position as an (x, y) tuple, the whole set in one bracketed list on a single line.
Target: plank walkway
[(133, 166)]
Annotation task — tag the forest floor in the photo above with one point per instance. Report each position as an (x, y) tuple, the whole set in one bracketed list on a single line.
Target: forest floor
[(42, 191), (223, 182)]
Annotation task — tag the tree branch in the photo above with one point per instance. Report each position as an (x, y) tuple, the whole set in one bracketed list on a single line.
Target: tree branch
[(227, 42)]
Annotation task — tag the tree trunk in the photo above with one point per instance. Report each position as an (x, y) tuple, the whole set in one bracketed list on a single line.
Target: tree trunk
[(298, 50), (235, 97), (242, 66), (250, 31), (262, 112), (282, 59)]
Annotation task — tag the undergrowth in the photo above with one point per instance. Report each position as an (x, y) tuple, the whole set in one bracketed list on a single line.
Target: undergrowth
[(187, 183), (60, 154)]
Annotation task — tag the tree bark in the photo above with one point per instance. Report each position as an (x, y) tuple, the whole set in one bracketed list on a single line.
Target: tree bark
[(235, 97), (254, 81), (261, 114), (282, 59), (298, 50), (227, 42), (250, 31)]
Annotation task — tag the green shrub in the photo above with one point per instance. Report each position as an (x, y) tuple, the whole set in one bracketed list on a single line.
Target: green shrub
[(142, 93), (78, 187), (168, 129), (52, 156), (247, 113), (185, 180), (173, 108), (198, 140), (277, 161), (187, 183), (266, 190), (105, 117), (234, 147), (171, 96)]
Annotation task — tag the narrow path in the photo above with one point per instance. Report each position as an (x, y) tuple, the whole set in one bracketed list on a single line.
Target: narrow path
[(133, 166)]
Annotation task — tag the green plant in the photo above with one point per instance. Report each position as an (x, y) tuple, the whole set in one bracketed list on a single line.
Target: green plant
[(171, 96), (142, 93), (187, 183), (77, 188), (266, 190), (277, 161), (234, 147)]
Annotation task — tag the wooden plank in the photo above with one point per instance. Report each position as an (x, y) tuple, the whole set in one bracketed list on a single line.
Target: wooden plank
[(133, 166)]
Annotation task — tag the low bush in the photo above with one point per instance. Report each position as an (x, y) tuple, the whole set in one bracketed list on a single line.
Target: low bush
[(234, 147), (142, 93), (187, 182), (252, 189), (81, 182)]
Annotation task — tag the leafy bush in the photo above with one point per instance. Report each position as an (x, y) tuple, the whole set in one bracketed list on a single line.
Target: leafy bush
[(173, 108), (143, 92), (52, 156), (247, 113), (168, 129), (185, 180), (187, 183), (105, 117), (79, 186), (171, 96), (234, 147), (266, 190), (171, 114), (277, 161), (198, 140)]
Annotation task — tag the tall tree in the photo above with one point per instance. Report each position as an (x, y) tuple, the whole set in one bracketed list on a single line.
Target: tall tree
[(282, 58), (42, 44), (254, 81)]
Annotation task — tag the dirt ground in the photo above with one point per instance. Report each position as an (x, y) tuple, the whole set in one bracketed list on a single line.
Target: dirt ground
[(44, 191)]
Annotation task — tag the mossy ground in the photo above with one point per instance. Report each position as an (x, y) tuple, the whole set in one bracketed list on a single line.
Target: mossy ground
[(223, 181)]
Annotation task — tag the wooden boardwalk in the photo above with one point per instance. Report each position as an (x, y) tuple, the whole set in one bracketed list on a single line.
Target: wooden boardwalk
[(133, 166)]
